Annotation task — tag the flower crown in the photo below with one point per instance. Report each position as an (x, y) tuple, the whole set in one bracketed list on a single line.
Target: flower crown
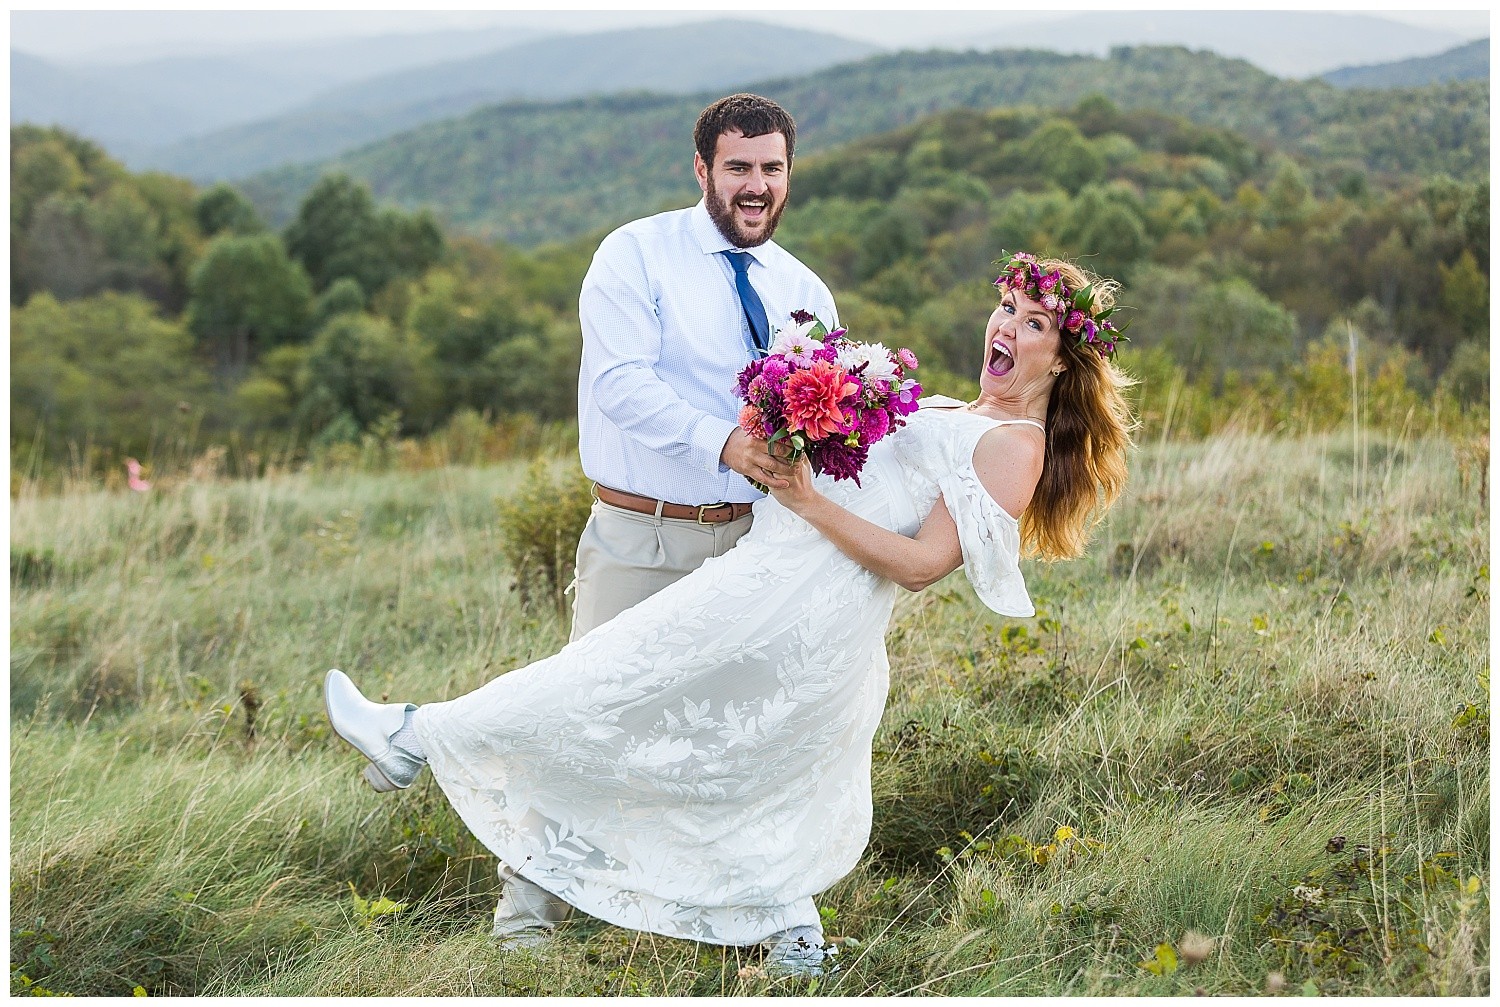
[(1076, 310)]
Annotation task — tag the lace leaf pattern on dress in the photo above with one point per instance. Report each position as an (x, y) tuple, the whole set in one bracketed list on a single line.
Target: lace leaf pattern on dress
[(991, 543), (700, 765)]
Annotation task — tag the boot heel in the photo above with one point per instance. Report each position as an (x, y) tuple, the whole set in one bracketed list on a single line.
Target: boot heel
[(378, 780)]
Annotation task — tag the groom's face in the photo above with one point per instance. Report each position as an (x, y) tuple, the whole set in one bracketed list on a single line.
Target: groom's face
[(745, 188)]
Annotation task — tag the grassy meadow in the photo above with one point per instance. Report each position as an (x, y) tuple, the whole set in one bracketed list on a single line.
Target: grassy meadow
[(1243, 748)]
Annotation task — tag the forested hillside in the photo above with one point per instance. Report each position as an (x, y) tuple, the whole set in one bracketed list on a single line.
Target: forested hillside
[(529, 172), (149, 316), (1470, 61)]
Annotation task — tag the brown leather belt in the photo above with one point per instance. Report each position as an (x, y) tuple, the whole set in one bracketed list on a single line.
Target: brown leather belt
[(714, 513)]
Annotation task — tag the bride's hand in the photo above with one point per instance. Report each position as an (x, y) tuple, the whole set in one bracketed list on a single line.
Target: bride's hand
[(800, 493)]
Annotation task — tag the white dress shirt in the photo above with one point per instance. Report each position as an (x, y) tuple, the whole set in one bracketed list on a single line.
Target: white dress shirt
[(664, 336)]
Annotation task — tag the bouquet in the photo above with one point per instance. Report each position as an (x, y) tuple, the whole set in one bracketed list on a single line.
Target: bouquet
[(825, 396)]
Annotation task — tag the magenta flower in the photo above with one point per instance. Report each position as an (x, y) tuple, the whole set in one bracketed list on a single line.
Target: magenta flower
[(1075, 319), (904, 402), (875, 424)]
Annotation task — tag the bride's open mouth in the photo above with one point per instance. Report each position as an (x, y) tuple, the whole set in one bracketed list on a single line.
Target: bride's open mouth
[(1000, 361)]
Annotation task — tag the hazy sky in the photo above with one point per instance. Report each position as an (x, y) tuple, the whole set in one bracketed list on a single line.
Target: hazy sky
[(152, 32)]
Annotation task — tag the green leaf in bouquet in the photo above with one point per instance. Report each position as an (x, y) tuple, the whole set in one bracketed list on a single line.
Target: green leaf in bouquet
[(819, 331)]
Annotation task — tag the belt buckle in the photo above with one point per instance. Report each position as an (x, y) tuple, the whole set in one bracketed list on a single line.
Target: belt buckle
[(713, 506)]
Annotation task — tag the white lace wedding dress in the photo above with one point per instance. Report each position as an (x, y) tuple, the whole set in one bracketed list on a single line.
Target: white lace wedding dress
[(699, 766)]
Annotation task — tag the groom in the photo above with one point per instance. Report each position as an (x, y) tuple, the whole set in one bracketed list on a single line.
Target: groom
[(673, 307)]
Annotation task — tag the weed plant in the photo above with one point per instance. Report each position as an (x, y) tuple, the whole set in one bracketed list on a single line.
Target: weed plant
[(1242, 748)]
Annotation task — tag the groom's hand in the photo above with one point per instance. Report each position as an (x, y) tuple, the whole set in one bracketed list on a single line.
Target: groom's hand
[(751, 458)]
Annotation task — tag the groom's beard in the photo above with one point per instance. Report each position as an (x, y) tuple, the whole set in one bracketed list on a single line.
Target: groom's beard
[(722, 214)]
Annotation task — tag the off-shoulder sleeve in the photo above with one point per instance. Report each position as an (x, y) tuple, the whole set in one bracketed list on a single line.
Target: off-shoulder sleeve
[(991, 541)]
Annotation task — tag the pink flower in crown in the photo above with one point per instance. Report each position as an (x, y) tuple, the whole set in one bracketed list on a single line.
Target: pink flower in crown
[(1074, 319), (1049, 301), (908, 358), (1049, 283)]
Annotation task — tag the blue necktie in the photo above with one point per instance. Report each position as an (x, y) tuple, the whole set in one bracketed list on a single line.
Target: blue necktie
[(755, 311)]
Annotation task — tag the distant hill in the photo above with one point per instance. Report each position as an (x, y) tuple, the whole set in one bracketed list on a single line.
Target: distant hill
[(125, 119), (665, 60), (1467, 62), (132, 107), (532, 172), (1296, 44)]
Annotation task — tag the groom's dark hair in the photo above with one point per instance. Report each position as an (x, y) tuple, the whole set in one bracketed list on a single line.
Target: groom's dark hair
[(750, 114)]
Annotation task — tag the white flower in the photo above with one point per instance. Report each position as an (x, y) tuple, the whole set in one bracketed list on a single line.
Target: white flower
[(879, 365), (792, 331), (1310, 894)]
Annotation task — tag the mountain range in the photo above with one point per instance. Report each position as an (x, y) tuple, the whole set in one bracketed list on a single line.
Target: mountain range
[(136, 106), (231, 113), (533, 172), (1293, 44), (688, 58)]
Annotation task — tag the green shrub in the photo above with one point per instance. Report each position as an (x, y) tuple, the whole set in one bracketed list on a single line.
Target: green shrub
[(539, 529)]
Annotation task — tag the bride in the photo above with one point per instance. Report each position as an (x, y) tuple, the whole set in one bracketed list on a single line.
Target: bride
[(699, 766)]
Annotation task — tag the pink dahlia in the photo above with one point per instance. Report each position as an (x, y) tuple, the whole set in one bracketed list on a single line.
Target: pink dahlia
[(813, 396), (875, 425), (752, 421)]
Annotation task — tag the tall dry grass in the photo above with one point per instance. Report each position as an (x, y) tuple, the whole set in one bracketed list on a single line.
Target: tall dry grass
[(1257, 713)]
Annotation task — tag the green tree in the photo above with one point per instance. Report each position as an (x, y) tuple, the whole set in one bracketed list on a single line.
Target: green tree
[(333, 231), (338, 232), (60, 252), (1058, 153), (224, 208), (1288, 197), (247, 296), (1104, 229), (363, 369), (106, 370), (1212, 327), (1466, 295), (342, 296)]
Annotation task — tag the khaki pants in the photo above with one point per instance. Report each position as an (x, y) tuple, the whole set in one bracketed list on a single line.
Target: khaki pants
[(623, 559)]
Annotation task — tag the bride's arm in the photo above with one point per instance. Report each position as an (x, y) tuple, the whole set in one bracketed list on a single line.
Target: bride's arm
[(913, 563), (1007, 467)]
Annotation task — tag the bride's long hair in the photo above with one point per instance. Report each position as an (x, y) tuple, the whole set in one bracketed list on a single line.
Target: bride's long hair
[(1088, 434)]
